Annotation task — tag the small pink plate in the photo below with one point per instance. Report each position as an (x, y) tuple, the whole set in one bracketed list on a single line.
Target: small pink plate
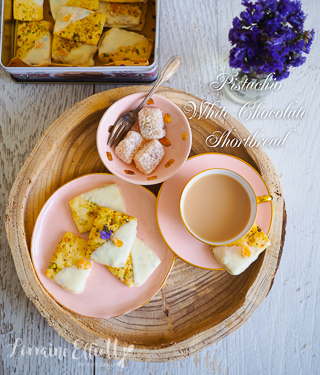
[(178, 151), (177, 237), (104, 296)]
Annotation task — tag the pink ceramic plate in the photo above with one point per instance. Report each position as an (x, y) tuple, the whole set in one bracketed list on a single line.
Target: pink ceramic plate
[(178, 151), (104, 295), (181, 242)]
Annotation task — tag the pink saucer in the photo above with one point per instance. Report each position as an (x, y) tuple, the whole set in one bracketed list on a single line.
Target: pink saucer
[(178, 151), (104, 295), (181, 242)]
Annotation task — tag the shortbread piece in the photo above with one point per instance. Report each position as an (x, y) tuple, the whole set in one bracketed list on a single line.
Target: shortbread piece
[(124, 274), (72, 53), (151, 123), (125, 1), (149, 156), (69, 267), (125, 16), (28, 10), (237, 257), (34, 42), (140, 265), (111, 238), (79, 25), (129, 146), (55, 5), (86, 206), (120, 45), (144, 261)]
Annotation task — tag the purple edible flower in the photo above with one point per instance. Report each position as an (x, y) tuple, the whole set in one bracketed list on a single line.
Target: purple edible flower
[(268, 38), (106, 233)]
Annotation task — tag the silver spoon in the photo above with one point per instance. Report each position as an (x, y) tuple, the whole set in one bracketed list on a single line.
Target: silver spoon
[(127, 120)]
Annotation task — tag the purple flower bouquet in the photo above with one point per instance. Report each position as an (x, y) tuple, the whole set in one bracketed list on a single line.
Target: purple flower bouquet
[(268, 39)]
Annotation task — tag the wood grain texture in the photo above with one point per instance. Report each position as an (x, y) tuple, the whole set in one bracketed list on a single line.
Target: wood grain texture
[(195, 308), (21, 127), (282, 336)]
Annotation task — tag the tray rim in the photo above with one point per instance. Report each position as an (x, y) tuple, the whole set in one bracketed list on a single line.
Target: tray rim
[(167, 352)]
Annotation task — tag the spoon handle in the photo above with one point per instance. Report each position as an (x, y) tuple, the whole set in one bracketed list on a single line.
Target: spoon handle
[(166, 73)]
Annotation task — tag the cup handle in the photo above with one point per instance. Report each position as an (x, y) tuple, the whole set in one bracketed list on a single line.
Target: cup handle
[(264, 199)]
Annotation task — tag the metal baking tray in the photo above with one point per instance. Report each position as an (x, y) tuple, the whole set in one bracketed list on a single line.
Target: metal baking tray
[(95, 74)]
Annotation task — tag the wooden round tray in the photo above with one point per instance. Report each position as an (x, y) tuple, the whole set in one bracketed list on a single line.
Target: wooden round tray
[(195, 308)]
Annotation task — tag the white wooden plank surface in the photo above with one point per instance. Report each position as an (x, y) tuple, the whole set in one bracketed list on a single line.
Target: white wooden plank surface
[(282, 336)]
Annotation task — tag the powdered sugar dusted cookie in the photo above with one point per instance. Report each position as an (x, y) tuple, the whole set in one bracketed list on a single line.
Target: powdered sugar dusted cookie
[(129, 146), (151, 123), (149, 156)]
